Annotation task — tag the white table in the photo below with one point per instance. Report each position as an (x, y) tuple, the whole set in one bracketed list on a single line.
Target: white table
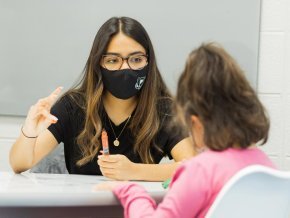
[(35, 195)]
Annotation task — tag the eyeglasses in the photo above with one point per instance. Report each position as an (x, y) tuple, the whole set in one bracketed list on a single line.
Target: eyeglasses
[(115, 62)]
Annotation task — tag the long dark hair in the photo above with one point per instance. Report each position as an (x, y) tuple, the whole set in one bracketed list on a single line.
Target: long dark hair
[(214, 88), (88, 93)]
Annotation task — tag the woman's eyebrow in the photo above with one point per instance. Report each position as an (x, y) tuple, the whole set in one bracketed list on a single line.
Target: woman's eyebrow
[(118, 54), (136, 52)]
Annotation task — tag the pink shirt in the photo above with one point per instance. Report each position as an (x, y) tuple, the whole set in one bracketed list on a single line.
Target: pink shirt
[(194, 186)]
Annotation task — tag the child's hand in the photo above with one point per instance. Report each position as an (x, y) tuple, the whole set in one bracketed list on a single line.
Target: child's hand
[(107, 186)]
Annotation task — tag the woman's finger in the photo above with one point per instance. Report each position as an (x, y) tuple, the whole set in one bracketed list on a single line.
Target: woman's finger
[(54, 95), (42, 102), (46, 115), (109, 158), (108, 172), (106, 165)]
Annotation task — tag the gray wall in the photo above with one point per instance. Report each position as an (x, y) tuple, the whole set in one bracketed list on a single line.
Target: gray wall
[(45, 43)]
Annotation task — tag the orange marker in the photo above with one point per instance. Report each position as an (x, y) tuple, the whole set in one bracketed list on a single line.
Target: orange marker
[(105, 142)]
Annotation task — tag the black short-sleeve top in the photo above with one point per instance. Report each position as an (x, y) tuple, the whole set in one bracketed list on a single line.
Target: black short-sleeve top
[(71, 122)]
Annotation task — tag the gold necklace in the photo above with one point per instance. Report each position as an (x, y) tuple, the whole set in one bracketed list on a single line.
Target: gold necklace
[(116, 141)]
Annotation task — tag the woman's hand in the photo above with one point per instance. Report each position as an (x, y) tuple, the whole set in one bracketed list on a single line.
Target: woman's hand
[(39, 117), (117, 167)]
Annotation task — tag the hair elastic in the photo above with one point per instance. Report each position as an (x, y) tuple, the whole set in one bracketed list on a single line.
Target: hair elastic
[(30, 137)]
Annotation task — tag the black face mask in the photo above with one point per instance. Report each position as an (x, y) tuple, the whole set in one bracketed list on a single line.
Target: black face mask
[(125, 83)]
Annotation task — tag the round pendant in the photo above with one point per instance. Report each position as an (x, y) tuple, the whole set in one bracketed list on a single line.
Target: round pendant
[(116, 142)]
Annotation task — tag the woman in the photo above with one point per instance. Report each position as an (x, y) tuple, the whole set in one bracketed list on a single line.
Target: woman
[(122, 92)]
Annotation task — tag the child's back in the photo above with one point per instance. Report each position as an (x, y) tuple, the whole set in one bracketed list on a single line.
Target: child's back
[(201, 179)]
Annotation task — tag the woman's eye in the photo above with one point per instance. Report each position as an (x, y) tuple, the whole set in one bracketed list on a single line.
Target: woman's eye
[(136, 59), (112, 60)]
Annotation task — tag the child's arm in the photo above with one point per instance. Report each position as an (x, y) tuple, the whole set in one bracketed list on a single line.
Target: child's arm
[(186, 198)]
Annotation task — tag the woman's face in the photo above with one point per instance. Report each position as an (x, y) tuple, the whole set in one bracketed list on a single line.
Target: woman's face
[(124, 46)]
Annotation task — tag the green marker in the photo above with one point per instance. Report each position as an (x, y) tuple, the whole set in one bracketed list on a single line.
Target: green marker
[(166, 183)]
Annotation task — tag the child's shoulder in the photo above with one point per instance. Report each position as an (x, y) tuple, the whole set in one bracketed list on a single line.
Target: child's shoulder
[(210, 159), (206, 156), (201, 166), (202, 161), (231, 157)]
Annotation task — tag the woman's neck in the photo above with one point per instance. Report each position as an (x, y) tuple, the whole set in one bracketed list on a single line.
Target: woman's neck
[(117, 109)]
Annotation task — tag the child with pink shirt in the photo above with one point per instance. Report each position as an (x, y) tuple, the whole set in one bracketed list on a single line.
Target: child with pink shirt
[(225, 119)]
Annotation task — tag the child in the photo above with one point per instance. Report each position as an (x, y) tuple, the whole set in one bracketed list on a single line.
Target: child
[(226, 120)]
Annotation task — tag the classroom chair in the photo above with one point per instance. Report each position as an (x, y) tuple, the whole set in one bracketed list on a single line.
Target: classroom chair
[(254, 192)]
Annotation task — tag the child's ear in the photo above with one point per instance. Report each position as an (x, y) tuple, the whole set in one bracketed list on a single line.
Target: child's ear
[(196, 121), (198, 131)]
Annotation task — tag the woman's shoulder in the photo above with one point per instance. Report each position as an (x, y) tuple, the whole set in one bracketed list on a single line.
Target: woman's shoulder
[(168, 123), (71, 101), (165, 106)]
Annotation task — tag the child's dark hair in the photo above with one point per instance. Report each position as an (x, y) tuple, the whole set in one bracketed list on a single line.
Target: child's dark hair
[(214, 88)]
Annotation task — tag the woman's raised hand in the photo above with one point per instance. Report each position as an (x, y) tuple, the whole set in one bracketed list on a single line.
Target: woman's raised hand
[(39, 118)]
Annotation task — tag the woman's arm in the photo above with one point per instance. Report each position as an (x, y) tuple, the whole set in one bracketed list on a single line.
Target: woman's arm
[(27, 152), (160, 172), (121, 168), (35, 141)]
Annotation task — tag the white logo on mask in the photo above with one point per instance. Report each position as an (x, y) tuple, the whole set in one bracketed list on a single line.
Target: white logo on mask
[(140, 82)]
